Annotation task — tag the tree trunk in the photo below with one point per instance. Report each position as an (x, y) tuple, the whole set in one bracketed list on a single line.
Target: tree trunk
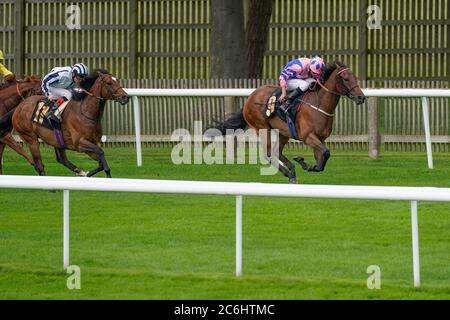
[(228, 58), (259, 13)]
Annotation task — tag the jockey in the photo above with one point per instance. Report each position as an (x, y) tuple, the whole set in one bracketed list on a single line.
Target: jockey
[(4, 72), (297, 75), (57, 85)]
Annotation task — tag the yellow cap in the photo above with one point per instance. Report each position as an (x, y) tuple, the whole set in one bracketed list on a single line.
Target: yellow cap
[(1, 55)]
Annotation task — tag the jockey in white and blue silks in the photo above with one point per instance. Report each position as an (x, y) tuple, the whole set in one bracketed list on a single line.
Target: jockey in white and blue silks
[(297, 76), (57, 85)]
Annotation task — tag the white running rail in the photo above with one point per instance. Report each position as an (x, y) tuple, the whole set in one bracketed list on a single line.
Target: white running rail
[(412, 194), (406, 93)]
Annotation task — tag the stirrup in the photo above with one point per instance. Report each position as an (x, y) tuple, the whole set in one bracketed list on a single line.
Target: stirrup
[(285, 107), (51, 116)]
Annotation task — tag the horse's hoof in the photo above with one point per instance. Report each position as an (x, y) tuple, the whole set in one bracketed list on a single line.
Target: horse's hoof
[(81, 173), (293, 181), (299, 159)]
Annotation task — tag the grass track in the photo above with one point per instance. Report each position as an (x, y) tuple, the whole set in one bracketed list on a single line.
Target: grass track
[(151, 246)]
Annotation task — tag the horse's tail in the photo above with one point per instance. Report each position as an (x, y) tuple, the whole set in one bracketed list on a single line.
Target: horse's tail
[(6, 123), (234, 121)]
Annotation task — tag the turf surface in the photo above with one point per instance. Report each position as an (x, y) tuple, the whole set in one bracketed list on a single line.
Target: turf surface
[(152, 246)]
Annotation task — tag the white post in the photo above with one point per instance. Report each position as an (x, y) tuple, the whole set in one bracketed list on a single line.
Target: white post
[(426, 125), (238, 236), (415, 244), (137, 126), (66, 229)]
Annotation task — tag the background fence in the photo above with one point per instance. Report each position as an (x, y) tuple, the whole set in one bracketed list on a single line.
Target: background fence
[(158, 42), (170, 39), (401, 122)]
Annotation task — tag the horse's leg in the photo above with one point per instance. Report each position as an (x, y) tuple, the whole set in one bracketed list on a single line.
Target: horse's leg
[(321, 154), (2, 148), (96, 153), (61, 157), (9, 140), (33, 144), (282, 163), (291, 174)]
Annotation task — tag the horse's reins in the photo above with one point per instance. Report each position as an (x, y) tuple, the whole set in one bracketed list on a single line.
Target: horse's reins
[(329, 91), (337, 93), (97, 97), (18, 90)]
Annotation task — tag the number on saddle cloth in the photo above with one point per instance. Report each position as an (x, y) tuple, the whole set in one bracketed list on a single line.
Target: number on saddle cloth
[(273, 108), (40, 111)]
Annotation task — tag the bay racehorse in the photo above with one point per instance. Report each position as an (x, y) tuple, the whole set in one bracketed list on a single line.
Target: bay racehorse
[(80, 126), (11, 94), (313, 121)]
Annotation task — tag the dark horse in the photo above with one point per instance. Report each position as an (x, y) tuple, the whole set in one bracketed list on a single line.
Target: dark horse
[(313, 121), (81, 123), (11, 94)]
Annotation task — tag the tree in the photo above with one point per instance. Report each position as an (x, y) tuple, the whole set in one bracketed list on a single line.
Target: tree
[(227, 39), (237, 52), (257, 32)]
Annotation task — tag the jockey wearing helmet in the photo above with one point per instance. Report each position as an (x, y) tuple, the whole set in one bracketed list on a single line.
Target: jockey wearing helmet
[(4, 72), (297, 75), (57, 85)]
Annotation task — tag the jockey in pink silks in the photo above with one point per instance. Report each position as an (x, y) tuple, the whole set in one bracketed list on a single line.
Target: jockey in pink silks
[(296, 76)]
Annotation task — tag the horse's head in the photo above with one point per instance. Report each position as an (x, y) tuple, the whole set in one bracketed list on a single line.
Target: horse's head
[(26, 87), (32, 86), (111, 89), (347, 84)]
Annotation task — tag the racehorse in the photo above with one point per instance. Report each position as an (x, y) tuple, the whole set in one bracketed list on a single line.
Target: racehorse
[(80, 125), (11, 94), (313, 121)]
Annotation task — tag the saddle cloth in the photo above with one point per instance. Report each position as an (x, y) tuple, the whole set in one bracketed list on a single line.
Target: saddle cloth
[(273, 108), (42, 109)]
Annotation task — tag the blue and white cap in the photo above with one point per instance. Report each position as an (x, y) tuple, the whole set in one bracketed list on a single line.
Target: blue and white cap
[(80, 69)]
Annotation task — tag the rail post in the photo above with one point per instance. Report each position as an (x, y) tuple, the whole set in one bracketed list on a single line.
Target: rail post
[(66, 227), (415, 244), (137, 126), (374, 127), (426, 126), (238, 236)]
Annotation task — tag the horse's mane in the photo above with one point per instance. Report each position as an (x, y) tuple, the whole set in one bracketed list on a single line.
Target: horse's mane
[(329, 68), (89, 81)]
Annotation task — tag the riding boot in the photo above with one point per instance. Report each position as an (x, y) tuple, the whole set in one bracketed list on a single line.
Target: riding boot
[(54, 120), (290, 98)]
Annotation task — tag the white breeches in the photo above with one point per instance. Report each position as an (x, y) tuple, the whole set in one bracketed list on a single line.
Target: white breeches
[(303, 84), (59, 92)]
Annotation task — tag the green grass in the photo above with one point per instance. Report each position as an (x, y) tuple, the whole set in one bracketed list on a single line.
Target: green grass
[(153, 246)]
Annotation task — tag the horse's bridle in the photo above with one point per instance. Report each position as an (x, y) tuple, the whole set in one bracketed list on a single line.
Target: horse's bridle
[(110, 90), (341, 81), (32, 91), (108, 87)]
